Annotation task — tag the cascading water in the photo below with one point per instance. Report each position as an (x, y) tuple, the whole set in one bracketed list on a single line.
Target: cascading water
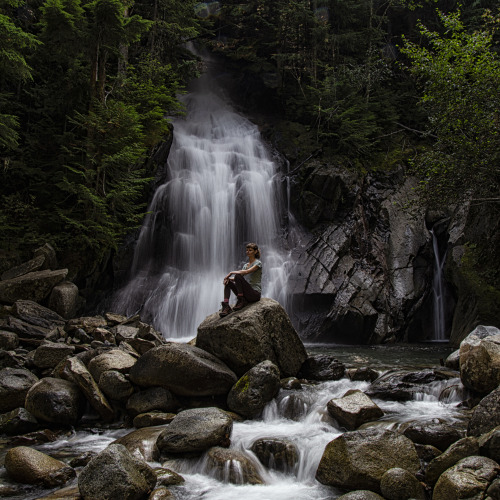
[(223, 190), (438, 292)]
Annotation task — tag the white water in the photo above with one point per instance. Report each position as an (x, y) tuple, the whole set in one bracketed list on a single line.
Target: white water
[(223, 191), (438, 292)]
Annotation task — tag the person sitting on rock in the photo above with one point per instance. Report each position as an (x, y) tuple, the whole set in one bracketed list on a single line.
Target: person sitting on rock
[(246, 284)]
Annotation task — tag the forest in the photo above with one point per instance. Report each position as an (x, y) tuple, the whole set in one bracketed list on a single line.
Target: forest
[(87, 89)]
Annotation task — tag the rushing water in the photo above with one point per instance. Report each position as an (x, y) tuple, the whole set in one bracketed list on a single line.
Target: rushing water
[(300, 416), (223, 190)]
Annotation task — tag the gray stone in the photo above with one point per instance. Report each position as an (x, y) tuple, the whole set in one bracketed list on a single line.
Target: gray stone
[(152, 418), (278, 454), (261, 331), (24, 268), (167, 477), (50, 354), (489, 444), (183, 369), (153, 398), (141, 443), (353, 409), (8, 340), (453, 361), (35, 314), (55, 401), (360, 495), (115, 359), (49, 254), (14, 385), (115, 474), (359, 459), (196, 430), (486, 415), (232, 466), (322, 367), (399, 484), (254, 389), (18, 421), (115, 385), (87, 323), (64, 299), (440, 435), (469, 478)]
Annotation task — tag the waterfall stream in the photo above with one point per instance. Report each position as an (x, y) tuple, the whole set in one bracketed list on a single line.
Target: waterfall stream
[(223, 190)]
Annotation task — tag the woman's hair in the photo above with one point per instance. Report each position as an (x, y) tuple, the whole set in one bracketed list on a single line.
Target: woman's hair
[(256, 248)]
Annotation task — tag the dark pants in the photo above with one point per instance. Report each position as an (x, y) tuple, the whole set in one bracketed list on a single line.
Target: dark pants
[(240, 286)]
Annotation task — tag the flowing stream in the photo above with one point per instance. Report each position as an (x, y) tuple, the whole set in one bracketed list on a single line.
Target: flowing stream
[(223, 190)]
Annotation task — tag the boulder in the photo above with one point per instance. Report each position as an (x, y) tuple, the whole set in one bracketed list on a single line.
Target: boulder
[(25, 329), (463, 448), (114, 359), (142, 443), (14, 385), (167, 477), (486, 415), (232, 466), (34, 286), (440, 435), (480, 360), (18, 421), (55, 401), (8, 340), (453, 361), (115, 385), (153, 398), (399, 484), (64, 299), (50, 354), (152, 418), (35, 314), (254, 389), (77, 372), (278, 454), (489, 444), (87, 323), (364, 373), (322, 367), (29, 266), (183, 369), (196, 430), (353, 409), (49, 254), (261, 331), (115, 474), (469, 478), (30, 466), (161, 493), (360, 495), (359, 459)]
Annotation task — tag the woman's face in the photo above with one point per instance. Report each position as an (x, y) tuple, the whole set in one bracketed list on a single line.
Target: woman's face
[(251, 252)]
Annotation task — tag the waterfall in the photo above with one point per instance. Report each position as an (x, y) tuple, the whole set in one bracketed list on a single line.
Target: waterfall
[(223, 190), (438, 291)]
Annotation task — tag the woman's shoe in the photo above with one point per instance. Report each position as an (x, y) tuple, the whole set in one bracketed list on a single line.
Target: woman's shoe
[(240, 304), (226, 309)]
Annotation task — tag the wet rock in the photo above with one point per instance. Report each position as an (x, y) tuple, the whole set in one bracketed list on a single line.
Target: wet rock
[(83, 459), (399, 484), (79, 374), (56, 401), (290, 383), (35, 314), (86, 323), (154, 398), (493, 491), (115, 385), (8, 340), (254, 389), (292, 406), (453, 361), (322, 367), (365, 374), (489, 444), (440, 435), (427, 452), (359, 459), (29, 266), (115, 474), (142, 346), (353, 409), (34, 286), (278, 454), (183, 369), (152, 418), (261, 331), (9, 359), (68, 493), (18, 421), (114, 359), (196, 430), (161, 493), (486, 415), (14, 385), (167, 477), (103, 335), (50, 354), (64, 299), (469, 478), (232, 466), (463, 448), (360, 495), (29, 466), (142, 443), (27, 330)]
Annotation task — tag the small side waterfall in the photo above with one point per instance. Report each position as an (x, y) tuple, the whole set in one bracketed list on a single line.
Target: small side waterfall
[(223, 190), (438, 292)]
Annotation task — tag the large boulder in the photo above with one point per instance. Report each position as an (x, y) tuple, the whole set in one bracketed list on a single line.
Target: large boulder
[(399, 484), (115, 474), (29, 266), (469, 478), (115, 385), (359, 459), (14, 385), (34, 286), (55, 401), (480, 359), (114, 359), (34, 313), (196, 430), (438, 434), (153, 398), (254, 389), (183, 369), (322, 367), (64, 299), (30, 466), (50, 354), (486, 415), (232, 466), (353, 409), (260, 331)]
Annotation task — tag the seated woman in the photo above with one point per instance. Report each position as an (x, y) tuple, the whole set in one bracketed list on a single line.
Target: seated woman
[(246, 284)]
